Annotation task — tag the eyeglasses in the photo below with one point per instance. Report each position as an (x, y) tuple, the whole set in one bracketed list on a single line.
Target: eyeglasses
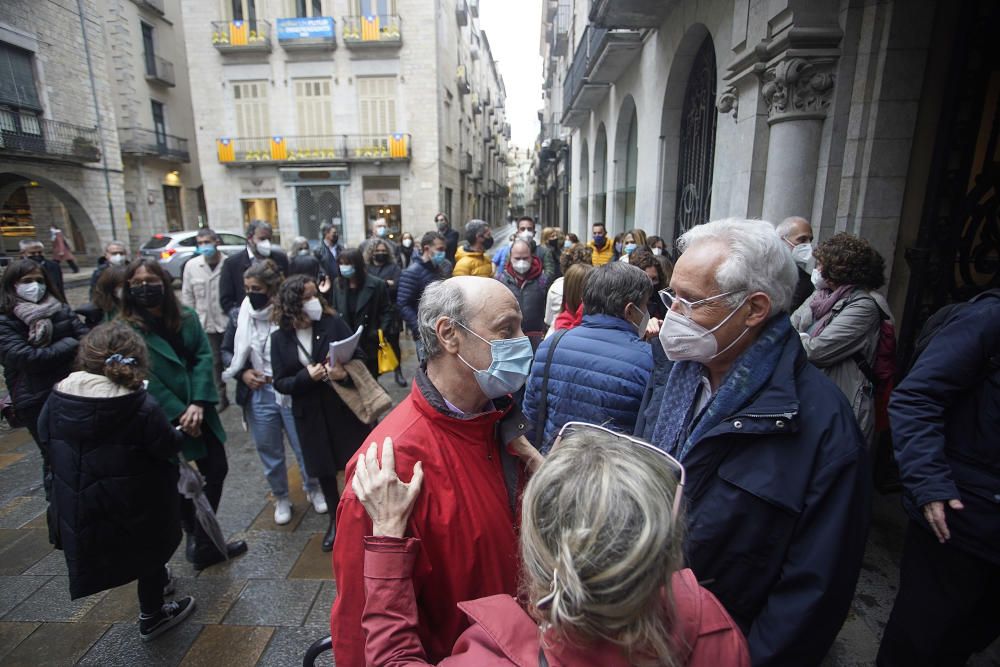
[(687, 308), (569, 427)]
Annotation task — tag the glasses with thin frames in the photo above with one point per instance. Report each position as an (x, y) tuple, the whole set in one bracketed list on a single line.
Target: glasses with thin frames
[(682, 475), (687, 308)]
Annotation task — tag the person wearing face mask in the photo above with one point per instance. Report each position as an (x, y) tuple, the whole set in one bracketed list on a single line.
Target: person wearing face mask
[(457, 420), (471, 259), (779, 510), (39, 335), (797, 234), (379, 232), (362, 300), (603, 249), (328, 431), (381, 263), (328, 249), (598, 370), (182, 380), (523, 276), (115, 254), (552, 238), (406, 251), (841, 322), (526, 233), (451, 236), (34, 250), (632, 239), (429, 267), (200, 293), (259, 248)]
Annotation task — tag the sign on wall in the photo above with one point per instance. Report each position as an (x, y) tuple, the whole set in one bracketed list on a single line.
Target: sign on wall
[(320, 27)]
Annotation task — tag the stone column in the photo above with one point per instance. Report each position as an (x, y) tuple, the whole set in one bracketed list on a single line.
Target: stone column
[(797, 92)]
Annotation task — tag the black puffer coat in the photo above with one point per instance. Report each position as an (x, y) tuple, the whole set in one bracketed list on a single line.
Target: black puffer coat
[(114, 490), (31, 372)]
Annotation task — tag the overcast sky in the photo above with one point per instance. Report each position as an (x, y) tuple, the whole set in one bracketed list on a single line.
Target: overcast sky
[(514, 28)]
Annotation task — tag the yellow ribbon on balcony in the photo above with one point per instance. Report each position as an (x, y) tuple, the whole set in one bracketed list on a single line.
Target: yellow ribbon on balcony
[(279, 148), (225, 149), (369, 29), (238, 32), (398, 146)]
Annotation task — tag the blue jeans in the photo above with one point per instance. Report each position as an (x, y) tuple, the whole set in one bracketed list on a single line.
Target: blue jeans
[(268, 423)]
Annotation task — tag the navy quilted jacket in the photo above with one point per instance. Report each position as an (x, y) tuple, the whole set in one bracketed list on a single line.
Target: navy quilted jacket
[(598, 375)]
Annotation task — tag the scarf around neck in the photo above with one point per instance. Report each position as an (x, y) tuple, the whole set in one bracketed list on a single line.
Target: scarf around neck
[(38, 318), (822, 304), (674, 431)]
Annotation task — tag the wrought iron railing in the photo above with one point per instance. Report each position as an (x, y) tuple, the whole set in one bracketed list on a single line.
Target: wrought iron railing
[(577, 72), (140, 141), (29, 135), (317, 148), (241, 35), (160, 69), (384, 29)]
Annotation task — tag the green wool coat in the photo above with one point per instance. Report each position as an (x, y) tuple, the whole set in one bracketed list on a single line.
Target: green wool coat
[(175, 387)]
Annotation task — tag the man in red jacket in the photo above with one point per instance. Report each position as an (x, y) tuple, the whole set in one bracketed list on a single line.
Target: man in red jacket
[(455, 421)]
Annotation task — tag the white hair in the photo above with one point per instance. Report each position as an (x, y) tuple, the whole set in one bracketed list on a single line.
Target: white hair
[(758, 260), (441, 299), (785, 228)]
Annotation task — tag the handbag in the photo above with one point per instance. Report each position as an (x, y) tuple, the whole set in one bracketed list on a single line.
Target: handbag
[(367, 399), (387, 360)]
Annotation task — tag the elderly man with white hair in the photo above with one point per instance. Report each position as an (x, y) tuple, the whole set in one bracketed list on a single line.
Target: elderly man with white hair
[(797, 233), (778, 481)]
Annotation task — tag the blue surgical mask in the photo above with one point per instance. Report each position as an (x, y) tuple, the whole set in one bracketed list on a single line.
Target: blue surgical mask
[(206, 249), (629, 247), (567, 243), (509, 369), (346, 270), (438, 257)]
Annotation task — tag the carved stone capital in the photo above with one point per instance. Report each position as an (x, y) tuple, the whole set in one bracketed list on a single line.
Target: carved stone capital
[(798, 88), (728, 101)]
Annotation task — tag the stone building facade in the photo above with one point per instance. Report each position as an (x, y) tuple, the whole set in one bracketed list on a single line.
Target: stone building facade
[(674, 113), (346, 111)]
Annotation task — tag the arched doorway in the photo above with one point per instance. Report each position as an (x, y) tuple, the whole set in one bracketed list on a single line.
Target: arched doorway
[(583, 189), (626, 165), (30, 204), (600, 199), (696, 153)]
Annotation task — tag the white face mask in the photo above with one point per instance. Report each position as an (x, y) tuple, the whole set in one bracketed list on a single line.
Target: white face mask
[(313, 309), (802, 253), (407, 243), (33, 292), (521, 265), (683, 339), (116, 259), (526, 235), (657, 251), (264, 248), (818, 281)]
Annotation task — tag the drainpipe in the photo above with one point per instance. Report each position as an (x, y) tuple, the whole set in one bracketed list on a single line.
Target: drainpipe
[(97, 114)]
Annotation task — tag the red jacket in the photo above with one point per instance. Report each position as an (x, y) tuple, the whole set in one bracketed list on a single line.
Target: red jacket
[(463, 517), (502, 633)]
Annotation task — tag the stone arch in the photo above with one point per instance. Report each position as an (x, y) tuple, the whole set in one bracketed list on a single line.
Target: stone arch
[(599, 202), (626, 164), (583, 190), (15, 177), (695, 38)]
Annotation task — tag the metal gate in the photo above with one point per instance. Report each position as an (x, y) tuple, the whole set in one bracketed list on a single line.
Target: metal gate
[(315, 205), (697, 153)]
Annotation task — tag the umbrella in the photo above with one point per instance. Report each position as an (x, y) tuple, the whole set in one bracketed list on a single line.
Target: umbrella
[(191, 485)]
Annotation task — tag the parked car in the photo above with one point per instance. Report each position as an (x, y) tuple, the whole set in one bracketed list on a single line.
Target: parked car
[(174, 249)]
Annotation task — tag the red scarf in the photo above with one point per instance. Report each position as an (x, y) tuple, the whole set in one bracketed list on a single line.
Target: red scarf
[(568, 320), (534, 272)]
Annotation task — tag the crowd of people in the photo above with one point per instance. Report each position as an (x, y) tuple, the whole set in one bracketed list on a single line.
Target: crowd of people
[(618, 454)]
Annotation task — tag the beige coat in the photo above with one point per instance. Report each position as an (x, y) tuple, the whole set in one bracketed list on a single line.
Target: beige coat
[(200, 292)]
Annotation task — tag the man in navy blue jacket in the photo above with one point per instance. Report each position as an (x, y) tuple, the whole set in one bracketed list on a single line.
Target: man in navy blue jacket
[(414, 280), (945, 418)]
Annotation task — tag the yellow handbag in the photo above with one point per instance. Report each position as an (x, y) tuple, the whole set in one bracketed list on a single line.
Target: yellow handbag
[(387, 360)]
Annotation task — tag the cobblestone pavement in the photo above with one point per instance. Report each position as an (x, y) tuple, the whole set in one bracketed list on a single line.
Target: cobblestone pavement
[(268, 606)]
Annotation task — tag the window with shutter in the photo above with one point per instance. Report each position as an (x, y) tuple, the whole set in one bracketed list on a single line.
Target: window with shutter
[(314, 111), (377, 100), (17, 79), (253, 120), (303, 8)]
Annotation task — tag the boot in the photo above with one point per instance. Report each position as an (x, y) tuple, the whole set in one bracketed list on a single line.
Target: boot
[(331, 533), (400, 380), (206, 554)]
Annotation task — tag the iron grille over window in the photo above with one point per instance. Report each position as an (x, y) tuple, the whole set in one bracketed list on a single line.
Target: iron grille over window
[(698, 120)]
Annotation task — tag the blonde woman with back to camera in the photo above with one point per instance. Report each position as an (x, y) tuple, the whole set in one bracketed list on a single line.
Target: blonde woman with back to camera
[(601, 558)]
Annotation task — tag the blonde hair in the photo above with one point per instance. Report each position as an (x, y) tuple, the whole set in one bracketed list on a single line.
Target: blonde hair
[(599, 545)]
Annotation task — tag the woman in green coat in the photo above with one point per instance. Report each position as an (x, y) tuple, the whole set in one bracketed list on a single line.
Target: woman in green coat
[(181, 379)]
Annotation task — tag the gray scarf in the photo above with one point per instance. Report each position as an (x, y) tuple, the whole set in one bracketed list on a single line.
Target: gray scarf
[(38, 317)]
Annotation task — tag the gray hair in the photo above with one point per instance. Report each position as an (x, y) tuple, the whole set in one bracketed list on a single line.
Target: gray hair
[(24, 244), (441, 299), (369, 250), (114, 242), (610, 288), (599, 541), (298, 243), (474, 228), (257, 224), (758, 260), (785, 228)]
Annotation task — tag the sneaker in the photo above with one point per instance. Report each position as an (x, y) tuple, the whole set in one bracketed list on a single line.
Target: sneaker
[(282, 511), (171, 614), (318, 501), (170, 586)]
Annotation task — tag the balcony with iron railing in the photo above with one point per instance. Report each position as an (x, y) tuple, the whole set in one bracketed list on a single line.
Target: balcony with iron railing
[(241, 36), (140, 142), (28, 136), (462, 81), (561, 24), (601, 57), (302, 34), (462, 12), (634, 14), (160, 71), (382, 30), (237, 151)]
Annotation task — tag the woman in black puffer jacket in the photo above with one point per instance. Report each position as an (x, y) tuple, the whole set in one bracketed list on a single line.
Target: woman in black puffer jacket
[(39, 335)]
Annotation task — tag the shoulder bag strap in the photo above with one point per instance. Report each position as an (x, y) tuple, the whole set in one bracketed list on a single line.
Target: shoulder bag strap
[(543, 396)]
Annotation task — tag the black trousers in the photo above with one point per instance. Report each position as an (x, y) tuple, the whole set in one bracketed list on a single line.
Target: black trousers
[(947, 608), (150, 589), (29, 416)]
